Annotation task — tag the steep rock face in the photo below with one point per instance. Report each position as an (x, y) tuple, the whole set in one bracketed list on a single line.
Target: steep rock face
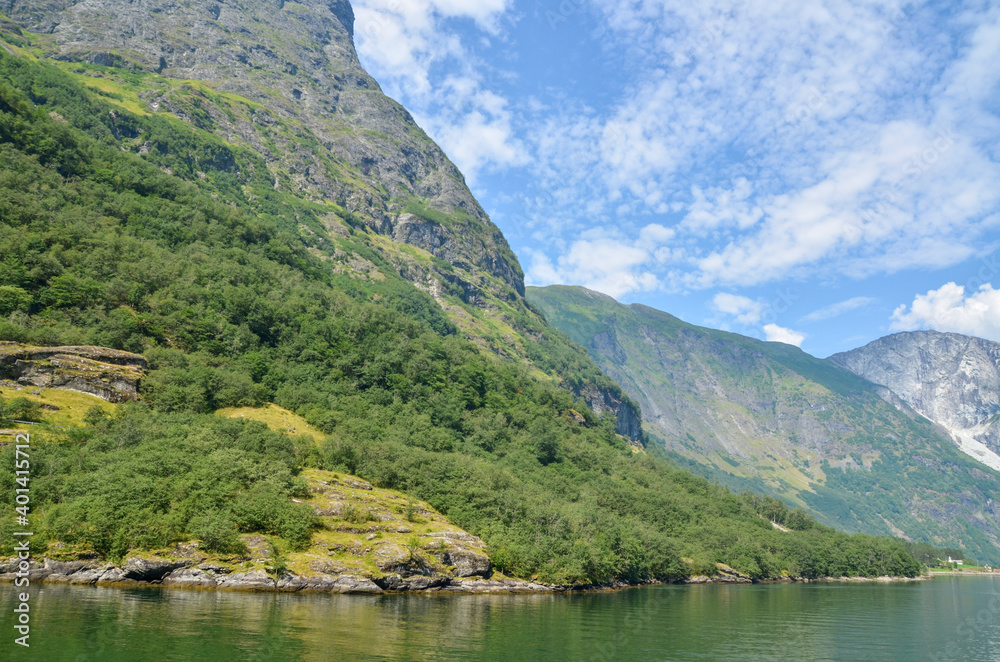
[(771, 418), (355, 146), (629, 422), (951, 379)]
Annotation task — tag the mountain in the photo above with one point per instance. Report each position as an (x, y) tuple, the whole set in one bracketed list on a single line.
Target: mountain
[(953, 380), (769, 417), (223, 191), (302, 116), (305, 104)]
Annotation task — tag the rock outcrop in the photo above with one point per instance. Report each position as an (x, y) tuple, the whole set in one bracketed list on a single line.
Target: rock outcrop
[(629, 421), (107, 373), (952, 379), (181, 573)]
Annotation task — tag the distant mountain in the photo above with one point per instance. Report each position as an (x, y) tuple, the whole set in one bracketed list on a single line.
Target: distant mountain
[(769, 417), (952, 379)]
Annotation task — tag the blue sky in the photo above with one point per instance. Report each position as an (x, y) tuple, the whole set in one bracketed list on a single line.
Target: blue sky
[(819, 173)]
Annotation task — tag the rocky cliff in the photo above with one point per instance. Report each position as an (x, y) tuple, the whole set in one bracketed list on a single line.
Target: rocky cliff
[(952, 379), (628, 418), (283, 78)]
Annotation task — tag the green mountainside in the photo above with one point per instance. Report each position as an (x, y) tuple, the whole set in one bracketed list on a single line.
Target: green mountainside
[(771, 418), (132, 216)]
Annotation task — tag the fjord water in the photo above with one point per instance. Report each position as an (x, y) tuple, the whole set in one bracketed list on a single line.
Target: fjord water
[(949, 618)]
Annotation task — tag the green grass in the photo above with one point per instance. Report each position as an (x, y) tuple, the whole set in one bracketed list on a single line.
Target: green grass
[(274, 417), (72, 405)]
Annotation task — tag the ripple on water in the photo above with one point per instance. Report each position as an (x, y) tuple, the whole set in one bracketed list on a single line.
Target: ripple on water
[(821, 622)]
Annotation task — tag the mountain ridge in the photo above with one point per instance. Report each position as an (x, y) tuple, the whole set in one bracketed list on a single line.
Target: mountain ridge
[(771, 418), (315, 80)]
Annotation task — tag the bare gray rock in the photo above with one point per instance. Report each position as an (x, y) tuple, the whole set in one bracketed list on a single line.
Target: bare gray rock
[(149, 570), (254, 580), (191, 578), (468, 563), (110, 374), (952, 379), (391, 557), (352, 584)]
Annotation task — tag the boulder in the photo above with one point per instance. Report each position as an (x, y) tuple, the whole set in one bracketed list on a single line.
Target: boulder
[(326, 567), (468, 563), (248, 581), (390, 557), (351, 584), (190, 577)]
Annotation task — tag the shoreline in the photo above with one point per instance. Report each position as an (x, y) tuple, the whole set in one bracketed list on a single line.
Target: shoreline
[(136, 574)]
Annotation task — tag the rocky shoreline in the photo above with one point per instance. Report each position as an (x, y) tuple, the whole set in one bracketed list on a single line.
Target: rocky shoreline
[(183, 574), (180, 574)]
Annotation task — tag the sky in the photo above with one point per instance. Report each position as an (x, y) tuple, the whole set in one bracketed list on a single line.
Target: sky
[(821, 174)]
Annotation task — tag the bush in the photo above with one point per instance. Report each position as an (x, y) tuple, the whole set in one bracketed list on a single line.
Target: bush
[(218, 533), (266, 507), (13, 298), (20, 408)]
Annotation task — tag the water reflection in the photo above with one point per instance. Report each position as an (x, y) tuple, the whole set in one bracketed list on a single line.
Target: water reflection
[(955, 618)]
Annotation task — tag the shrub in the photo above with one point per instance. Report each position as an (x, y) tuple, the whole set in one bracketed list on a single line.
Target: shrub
[(218, 533)]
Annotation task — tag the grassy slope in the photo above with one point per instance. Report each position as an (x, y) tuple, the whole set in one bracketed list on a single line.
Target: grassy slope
[(770, 417), (59, 407), (276, 418)]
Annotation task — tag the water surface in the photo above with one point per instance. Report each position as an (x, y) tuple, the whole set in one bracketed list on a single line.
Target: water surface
[(949, 618)]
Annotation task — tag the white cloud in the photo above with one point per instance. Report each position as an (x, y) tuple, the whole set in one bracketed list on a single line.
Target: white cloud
[(605, 263), (721, 207), (402, 42), (827, 138), (775, 333), (949, 308), (837, 309), (914, 197), (745, 310), (750, 313)]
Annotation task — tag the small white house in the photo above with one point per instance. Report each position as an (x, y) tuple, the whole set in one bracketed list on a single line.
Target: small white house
[(955, 561)]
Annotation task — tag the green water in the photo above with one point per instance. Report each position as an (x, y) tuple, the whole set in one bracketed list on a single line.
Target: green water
[(944, 619)]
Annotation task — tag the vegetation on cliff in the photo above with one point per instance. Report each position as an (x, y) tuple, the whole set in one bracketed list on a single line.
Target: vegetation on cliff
[(231, 289)]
